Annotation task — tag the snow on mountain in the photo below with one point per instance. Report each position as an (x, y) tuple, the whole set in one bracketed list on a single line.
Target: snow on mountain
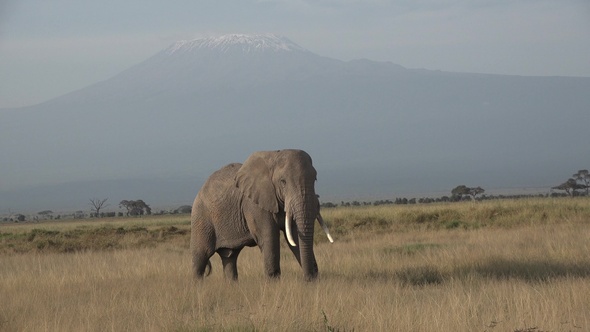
[(237, 42)]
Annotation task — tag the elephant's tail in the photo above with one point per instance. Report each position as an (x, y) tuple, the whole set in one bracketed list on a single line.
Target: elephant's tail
[(208, 269)]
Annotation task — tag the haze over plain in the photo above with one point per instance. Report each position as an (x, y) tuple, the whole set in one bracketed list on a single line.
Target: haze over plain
[(373, 128)]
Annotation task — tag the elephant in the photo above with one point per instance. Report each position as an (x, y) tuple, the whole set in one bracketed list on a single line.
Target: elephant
[(250, 204)]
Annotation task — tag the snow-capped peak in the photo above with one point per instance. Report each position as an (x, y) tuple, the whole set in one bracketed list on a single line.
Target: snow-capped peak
[(243, 42)]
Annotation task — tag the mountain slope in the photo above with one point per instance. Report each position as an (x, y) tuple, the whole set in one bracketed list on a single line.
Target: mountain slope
[(372, 128)]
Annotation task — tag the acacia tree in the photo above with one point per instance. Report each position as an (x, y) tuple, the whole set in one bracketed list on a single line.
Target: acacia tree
[(459, 191), (570, 186), (46, 214), (184, 209), (135, 208), (97, 204), (583, 176), (476, 191)]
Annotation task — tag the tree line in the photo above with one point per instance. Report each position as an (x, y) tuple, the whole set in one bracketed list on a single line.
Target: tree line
[(577, 185), (133, 208)]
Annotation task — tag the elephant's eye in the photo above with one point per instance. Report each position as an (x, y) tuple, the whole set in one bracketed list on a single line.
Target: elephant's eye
[(283, 182)]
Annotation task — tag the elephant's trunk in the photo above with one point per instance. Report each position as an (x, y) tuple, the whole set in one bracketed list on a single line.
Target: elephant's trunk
[(305, 213)]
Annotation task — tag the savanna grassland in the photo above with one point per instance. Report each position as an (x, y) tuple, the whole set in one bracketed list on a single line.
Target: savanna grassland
[(511, 265)]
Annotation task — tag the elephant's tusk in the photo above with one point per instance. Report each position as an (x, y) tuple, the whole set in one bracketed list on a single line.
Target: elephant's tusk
[(288, 229), (325, 228)]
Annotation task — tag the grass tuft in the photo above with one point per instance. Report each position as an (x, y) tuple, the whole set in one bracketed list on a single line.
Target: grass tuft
[(329, 328), (420, 276), (410, 248)]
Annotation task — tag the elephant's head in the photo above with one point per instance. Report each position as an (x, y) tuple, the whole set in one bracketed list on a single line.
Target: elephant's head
[(284, 181)]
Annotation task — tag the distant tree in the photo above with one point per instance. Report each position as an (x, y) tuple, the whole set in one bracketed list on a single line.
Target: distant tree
[(583, 176), (126, 204), (143, 206), (135, 208), (46, 214), (97, 204), (570, 186), (184, 209), (460, 191), (476, 191)]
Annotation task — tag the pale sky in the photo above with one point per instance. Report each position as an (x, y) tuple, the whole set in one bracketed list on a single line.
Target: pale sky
[(49, 48)]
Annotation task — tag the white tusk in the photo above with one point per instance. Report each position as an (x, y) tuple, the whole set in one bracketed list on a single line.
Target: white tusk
[(288, 228), (325, 227)]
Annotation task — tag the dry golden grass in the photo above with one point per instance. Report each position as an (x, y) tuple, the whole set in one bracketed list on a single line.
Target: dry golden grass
[(75, 236), (392, 275)]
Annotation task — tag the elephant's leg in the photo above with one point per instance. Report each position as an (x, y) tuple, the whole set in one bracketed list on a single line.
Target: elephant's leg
[(272, 262), (229, 259), (265, 231), (271, 251)]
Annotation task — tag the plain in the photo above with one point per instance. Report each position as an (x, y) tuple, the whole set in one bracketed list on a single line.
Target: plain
[(511, 265)]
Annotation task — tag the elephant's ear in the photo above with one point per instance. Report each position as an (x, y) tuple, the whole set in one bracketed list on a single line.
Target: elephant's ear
[(254, 181)]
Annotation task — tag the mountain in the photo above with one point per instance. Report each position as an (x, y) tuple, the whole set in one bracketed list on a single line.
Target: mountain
[(159, 128)]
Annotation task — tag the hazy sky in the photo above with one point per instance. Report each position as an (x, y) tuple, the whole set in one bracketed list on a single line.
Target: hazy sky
[(48, 48)]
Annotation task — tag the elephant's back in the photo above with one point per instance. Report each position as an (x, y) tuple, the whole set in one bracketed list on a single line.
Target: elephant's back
[(219, 185), (224, 176)]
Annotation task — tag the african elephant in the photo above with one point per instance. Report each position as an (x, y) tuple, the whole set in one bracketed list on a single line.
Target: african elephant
[(249, 204)]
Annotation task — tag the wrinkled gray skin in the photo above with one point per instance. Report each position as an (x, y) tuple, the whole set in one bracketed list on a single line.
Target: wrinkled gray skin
[(244, 205)]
